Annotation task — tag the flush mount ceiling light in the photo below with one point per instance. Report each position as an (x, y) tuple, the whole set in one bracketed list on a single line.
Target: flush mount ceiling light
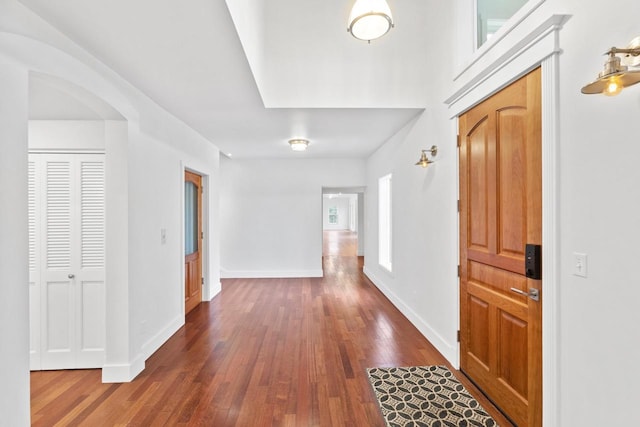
[(424, 160), (615, 75), (370, 19), (298, 144)]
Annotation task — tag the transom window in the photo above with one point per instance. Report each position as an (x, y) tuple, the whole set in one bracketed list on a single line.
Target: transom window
[(493, 14)]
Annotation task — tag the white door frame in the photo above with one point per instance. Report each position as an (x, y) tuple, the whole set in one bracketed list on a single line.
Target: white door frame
[(487, 74), (205, 255)]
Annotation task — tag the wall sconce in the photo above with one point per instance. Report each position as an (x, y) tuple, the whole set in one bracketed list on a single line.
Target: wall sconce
[(424, 160), (615, 75)]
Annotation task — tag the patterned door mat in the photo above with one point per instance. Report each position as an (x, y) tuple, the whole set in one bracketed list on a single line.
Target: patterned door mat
[(425, 396)]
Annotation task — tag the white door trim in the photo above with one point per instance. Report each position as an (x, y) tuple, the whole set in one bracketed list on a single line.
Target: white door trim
[(537, 45), (205, 255)]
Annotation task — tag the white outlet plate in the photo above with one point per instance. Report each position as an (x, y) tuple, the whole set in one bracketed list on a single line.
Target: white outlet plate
[(579, 264)]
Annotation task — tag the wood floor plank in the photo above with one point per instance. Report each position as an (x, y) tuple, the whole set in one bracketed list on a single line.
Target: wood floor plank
[(265, 352)]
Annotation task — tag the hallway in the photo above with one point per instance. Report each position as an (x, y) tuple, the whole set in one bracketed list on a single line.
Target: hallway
[(343, 243), (265, 352)]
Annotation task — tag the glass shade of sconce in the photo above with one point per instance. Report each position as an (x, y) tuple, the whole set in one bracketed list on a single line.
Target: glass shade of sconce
[(424, 159), (615, 76)]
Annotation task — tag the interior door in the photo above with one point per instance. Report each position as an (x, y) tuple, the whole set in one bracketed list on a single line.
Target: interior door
[(193, 240), (500, 212), (67, 260)]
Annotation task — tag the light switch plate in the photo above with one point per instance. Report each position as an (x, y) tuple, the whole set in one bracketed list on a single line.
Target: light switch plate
[(579, 264)]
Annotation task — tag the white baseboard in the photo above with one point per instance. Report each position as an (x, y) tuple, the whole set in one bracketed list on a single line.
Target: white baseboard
[(450, 352), (122, 373), (214, 290), (155, 342), (250, 274)]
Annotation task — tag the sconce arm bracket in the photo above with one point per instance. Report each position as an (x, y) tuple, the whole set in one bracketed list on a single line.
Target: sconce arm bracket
[(629, 51)]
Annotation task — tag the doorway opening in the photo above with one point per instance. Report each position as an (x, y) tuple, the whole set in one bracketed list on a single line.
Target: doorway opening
[(342, 224), (339, 224), (70, 133)]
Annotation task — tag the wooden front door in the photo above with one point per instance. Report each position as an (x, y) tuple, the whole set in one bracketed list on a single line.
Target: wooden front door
[(500, 212), (193, 240)]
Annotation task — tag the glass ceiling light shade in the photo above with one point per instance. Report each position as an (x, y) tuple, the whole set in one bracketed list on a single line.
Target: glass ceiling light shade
[(370, 19), (298, 144), (615, 76)]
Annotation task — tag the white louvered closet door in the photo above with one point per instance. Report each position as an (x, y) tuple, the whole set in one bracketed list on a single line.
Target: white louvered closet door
[(34, 266), (69, 258)]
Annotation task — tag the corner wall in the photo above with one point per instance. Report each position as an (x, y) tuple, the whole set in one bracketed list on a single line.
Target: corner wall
[(424, 283), (14, 278), (272, 212), (148, 301)]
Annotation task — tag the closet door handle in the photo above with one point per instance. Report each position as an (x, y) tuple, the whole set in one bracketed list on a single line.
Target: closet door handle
[(71, 276)]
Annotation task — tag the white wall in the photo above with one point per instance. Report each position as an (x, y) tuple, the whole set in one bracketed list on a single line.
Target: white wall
[(342, 204), (360, 224), (353, 213), (78, 135), (14, 303), (146, 156), (156, 203), (598, 203), (423, 284), (291, 76), (248, 18), (599, 210), (272, 213)]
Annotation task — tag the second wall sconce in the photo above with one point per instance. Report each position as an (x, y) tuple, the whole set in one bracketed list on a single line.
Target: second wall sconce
[(424, 160), (615, 75)]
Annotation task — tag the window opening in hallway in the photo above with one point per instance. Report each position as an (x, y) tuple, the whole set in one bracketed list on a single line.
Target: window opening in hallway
[(384, 222)]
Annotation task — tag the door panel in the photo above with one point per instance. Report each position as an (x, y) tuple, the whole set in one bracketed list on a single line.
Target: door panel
[(67, 260), (478, 203), (59, 316), (92, 313), (479, 330), (512, 358), (500, 212), (193, 241), (511, 181)]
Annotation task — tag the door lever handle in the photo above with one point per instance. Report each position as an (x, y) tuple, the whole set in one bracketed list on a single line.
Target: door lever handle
[(533, 293)]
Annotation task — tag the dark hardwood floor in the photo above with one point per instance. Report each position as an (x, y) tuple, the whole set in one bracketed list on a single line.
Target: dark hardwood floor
[(265, 352)]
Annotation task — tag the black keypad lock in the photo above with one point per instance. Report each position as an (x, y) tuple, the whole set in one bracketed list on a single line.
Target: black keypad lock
[(533, 261)]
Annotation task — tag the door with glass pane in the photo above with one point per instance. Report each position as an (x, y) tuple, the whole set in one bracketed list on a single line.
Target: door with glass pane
[(193, 240)]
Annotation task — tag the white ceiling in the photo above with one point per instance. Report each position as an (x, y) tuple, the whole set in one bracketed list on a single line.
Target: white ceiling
[(317, 81), (53, 98)]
